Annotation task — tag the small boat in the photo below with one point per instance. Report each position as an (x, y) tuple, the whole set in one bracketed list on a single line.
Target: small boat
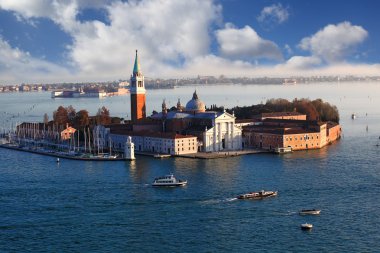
[(258, 195), (309, 212), (283, 150), (168, 181), (353, 116), (161, 156), (306, 226)]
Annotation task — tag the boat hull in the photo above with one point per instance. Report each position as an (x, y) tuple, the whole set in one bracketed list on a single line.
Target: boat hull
[(310, 212), (306, 226), (169, 184), (258, 195)]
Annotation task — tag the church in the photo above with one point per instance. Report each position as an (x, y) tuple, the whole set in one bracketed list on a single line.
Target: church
[(215, 131), (188, 129)]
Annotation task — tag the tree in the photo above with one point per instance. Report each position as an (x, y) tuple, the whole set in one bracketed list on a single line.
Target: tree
[(60, 116), (103, 116), (71, 113), (81, 119), (306, 107)]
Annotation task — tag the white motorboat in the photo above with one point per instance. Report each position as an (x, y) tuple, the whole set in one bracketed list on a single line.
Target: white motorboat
[(258, 195), (310, 212), (161, 156), (306, 226), (168, 181)]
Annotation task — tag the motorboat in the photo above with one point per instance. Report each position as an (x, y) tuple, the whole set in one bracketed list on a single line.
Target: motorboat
[(310, 212), (306, 226), (168, 181), (161, 156), (257, 195), (283, 150)]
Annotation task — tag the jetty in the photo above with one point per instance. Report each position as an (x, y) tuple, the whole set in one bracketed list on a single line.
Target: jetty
[(83, 157)]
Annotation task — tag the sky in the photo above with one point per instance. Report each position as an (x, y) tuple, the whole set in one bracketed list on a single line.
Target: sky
[(45, 41)]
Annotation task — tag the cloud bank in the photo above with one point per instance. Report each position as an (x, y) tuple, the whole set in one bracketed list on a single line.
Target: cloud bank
[(174, 39), (245, 43), (334, 42)]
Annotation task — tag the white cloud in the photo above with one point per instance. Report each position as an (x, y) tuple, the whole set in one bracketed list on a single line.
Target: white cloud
[(288, 49), (167, 33), (334, 42), (18, 66), (28, 8), (296, 66), (275, 13), (303, 62), (246, 44)]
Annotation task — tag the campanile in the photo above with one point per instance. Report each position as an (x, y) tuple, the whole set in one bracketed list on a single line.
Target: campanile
[(138, 109)]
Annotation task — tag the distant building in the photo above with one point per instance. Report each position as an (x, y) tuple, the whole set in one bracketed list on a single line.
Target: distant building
[(297, 134), (115, 137)]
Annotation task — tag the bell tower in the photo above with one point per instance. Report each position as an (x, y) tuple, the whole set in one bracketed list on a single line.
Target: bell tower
[(138, 109)]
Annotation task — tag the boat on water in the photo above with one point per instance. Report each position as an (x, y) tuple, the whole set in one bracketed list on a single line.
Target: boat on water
[(168, 181), (161, 156), (353, 116), (306, 226), (258, 195), (310, 212), (283, 150)]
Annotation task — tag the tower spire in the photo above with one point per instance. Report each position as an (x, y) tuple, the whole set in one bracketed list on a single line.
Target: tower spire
[(136, 67)]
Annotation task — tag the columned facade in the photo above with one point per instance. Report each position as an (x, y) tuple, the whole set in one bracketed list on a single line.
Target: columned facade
[(223, 136)]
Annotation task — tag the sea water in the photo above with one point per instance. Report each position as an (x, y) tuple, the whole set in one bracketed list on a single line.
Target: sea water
[(76, 206)]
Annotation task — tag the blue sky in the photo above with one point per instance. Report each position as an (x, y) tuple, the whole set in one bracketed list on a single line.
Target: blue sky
[(94, 40)]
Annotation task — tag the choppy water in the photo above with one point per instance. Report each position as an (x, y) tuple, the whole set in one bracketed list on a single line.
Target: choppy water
[(77, 206)]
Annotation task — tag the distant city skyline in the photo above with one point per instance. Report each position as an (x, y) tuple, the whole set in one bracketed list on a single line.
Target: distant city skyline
[(95, 40)]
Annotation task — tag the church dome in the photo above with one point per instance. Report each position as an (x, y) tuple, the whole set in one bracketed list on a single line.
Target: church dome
[(195, 105)]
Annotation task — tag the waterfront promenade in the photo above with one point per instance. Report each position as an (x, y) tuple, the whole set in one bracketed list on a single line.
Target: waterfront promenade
[(199, 155)]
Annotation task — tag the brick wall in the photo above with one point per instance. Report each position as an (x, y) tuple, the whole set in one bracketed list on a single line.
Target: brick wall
[(138, 109)]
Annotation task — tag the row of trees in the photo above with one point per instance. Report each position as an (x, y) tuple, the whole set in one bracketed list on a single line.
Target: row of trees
[(314, 109), (81, 119)]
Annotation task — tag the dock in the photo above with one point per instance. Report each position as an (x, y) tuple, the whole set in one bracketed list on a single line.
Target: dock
[(199, 155), (225, 154), (60, 155)]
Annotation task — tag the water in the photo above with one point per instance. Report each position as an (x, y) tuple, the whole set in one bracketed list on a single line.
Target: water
[(77, 206)]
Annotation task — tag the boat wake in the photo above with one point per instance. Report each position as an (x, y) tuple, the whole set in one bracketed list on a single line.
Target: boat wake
[(230, 199), (217, 201), (288, 213)]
